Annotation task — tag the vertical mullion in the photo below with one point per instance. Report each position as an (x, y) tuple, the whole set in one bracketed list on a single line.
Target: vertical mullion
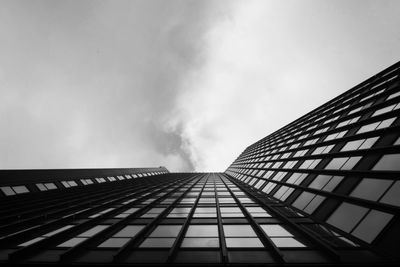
[(121, 253), (76, 250), (266, 240), (24, 252), (220, 227), (178, 241), (309, 235)]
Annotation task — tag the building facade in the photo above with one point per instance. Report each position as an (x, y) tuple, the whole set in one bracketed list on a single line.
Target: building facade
[(323, 190)]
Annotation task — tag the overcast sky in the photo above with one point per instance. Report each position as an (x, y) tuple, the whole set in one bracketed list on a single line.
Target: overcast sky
[(182, 84)]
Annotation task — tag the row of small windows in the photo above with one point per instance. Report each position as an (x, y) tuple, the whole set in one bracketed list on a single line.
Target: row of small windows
[(365, 128), (196, 236), (202, 234), (21, 189), (384, 191), (349, 146), (378, 112)]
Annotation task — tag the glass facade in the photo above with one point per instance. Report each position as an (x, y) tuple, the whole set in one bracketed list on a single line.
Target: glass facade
[(338, 165)]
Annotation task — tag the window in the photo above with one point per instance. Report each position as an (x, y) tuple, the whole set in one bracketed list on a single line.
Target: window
[(257, 212), (162, 237), (83, 236), (46, 186), (359, 221), (346, 216), (345, 163), (152, 213), (241, 236), (122, 237), (126, 213), (372, 225), (280, 236), (308, 202), (238, 230), (371, 189), (13, 190), (179, 212), (27, 243), (202, 212), (231, 212), (386, 109), (201, 236), (376, 125), (392, 196), (389, 162), (326, 182), (202, 230), (360, 144), (68, 184), (310, 164)]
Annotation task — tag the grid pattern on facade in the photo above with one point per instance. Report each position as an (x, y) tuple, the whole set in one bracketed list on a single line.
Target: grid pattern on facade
[(339, 164), (169, 218)]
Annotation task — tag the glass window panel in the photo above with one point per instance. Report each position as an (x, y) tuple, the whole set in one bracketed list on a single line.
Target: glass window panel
[(57, 231), (238, 230), (392, 196), (202, 230), (7, 191), (20, 189), (351, 163), (287, 242), (27, 243), (41, 187), (251, 242), (314, 204), (166, 231), (368, 127), (205, 210), (129, 231), (190, 242), (372, 225), (114, 242), (388, 162), (371, 189), (346, 216), (275, 230), (333, 182), (352, 145), (72, 183), (181, 210), (226, 215), (93, 231), (369, 143), (255, 209), (320, 181), (230, 209), (336, 163), (177, 215), (303, 200), (131, 210), (386, 123), (72, 242), (158, 243)]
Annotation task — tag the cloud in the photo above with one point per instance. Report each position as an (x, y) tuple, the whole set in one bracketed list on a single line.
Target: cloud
[(273, 62), (185, 84), (91, 83)]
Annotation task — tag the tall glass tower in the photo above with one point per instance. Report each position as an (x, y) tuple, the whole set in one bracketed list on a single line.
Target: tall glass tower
[(323, 190)]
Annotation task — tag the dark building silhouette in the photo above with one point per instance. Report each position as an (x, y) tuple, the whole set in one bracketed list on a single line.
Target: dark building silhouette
[(323, 190)]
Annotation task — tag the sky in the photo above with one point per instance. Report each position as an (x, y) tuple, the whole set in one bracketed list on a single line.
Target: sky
[(185, 84)]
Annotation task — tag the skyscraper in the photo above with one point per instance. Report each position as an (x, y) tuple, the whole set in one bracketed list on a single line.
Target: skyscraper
[(323, 190)]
